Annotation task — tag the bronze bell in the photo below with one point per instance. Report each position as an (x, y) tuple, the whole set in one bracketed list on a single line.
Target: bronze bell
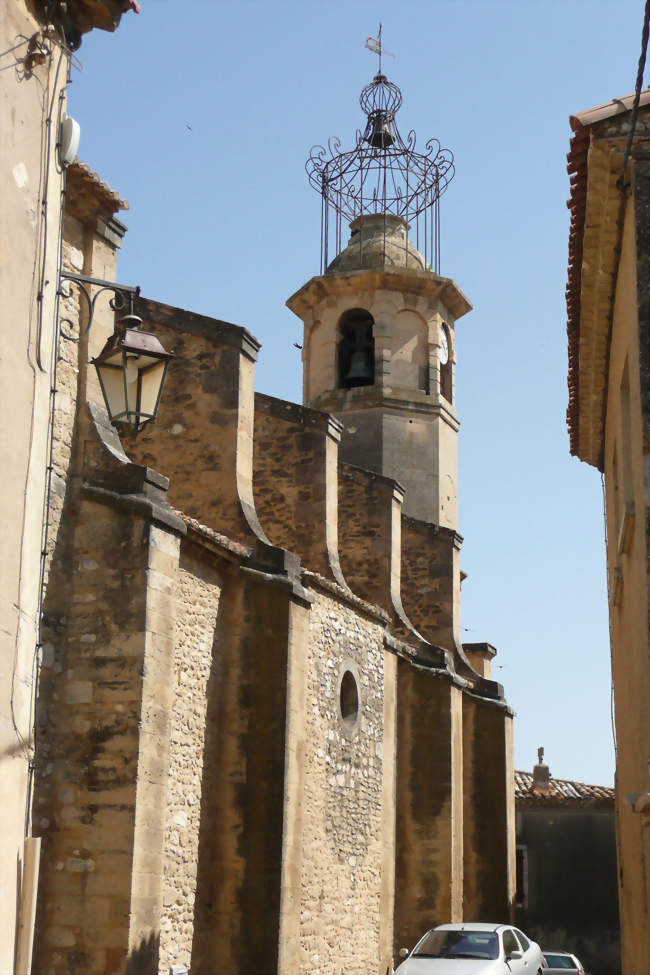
[(360, 371), (380, 136)]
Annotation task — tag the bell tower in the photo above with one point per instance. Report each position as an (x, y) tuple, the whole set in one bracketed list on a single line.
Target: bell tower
[(379, 320)]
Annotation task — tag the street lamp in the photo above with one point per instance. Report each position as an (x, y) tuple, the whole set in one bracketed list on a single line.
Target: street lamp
[(131, 368), (132, 365)]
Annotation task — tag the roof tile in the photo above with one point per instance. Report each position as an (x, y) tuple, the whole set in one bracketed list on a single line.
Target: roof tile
[(563, 790)]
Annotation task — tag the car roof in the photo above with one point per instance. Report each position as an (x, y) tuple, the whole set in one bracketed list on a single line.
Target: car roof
[(471, 926)]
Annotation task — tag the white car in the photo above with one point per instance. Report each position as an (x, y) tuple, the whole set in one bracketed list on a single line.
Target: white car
[(473, 949), (562, 961)]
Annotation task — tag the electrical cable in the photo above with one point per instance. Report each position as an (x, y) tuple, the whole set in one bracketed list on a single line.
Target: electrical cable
[(21, 43), (50, 94), (47, 498), (39, 257), (48, 150), (620, 182)]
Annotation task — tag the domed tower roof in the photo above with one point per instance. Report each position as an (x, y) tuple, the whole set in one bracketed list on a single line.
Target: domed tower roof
[(383, 188), (378, 240)]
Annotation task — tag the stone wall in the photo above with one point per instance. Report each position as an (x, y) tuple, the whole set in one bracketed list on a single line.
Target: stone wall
[(295, 481), (91, 237), (197, 599), (203, 437), (365, 515), (428, 579), (240, 851), (429, 831), (249, 758), (103, 717), (347, 874), (488, 810), (101, 775)]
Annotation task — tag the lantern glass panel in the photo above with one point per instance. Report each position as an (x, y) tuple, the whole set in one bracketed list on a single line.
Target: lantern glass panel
[(151, 380), (111, 378)]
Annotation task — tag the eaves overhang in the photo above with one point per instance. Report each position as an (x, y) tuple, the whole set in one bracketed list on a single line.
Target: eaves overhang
[(88, 196), (596, 206), (86, 15)]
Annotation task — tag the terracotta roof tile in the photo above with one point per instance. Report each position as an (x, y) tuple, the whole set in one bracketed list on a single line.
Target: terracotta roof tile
[(222, 541), (562, 790), (82, 181), (577, 167)]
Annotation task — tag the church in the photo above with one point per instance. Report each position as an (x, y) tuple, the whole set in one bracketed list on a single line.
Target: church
[(260, 744)]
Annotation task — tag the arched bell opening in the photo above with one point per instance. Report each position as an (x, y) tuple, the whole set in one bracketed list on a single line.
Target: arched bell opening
[(356, 349)]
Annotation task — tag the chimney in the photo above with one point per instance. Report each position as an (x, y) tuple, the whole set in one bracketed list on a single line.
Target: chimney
[(541, 773)]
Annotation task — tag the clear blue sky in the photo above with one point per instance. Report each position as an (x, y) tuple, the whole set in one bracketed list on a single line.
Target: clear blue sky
[(202, 115)]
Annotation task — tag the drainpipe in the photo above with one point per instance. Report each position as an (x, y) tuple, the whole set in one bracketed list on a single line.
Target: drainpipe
[(27, 909)]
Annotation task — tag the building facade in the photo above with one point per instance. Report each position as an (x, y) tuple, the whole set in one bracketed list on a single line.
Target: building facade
[(609, 417), (36, 40), (567, 892), (258, 741)]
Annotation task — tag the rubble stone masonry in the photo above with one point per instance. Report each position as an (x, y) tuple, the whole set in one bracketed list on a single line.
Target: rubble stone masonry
[(197, 597), (347, 845)]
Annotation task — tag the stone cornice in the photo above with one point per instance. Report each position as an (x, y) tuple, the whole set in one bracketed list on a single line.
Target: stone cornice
[(315, 581), (373, 398), (310, 418), (412, 282), (214, 329)]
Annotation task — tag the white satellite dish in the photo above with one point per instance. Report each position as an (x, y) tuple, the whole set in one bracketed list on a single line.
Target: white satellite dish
[(69, 134)]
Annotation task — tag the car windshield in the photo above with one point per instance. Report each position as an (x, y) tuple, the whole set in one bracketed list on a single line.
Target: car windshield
[(457, 944), (560, 962)]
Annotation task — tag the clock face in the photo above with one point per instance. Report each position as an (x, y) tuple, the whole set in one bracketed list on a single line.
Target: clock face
[(444, 346)]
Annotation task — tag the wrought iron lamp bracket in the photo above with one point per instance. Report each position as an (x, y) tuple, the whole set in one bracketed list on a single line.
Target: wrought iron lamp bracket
[(123, 298)]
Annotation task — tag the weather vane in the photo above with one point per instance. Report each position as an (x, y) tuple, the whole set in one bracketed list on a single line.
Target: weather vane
[(375, 45)]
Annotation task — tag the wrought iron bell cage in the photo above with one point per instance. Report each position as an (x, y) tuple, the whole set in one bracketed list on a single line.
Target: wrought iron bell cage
[(382, 174)]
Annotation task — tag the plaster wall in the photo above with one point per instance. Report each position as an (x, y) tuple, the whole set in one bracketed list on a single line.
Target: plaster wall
[(626, 453), (571, 897), (28, 265)]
